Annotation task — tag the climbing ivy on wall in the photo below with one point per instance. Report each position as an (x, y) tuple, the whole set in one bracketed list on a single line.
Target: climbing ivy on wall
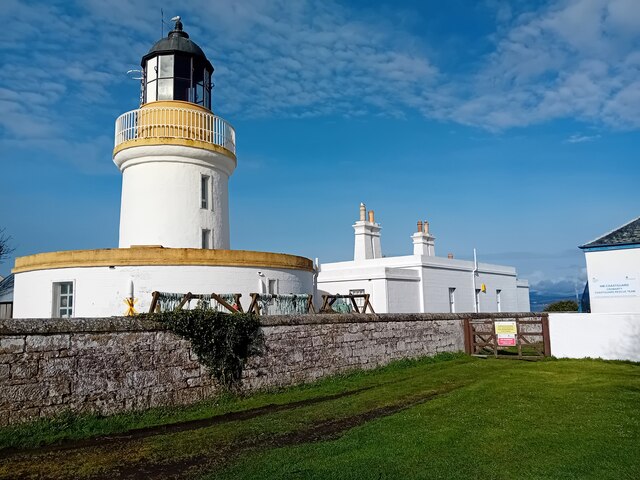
[(223, 342)]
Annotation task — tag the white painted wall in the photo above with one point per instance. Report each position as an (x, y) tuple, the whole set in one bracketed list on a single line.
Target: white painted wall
[(611, 336), (613, 266), (367, 240), (443, 273), (432, 277), (372, 281), (100, 291), (161, 198), (403, 295), (524, 299)]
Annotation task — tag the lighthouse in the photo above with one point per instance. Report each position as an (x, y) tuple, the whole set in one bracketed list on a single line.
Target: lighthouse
[(176, 157), (174, 153)]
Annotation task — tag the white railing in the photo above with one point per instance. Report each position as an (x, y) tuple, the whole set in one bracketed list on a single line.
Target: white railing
[(168, 122)]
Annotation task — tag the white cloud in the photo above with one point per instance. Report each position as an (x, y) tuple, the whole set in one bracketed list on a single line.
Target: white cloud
[(574, 59), (578, 138)]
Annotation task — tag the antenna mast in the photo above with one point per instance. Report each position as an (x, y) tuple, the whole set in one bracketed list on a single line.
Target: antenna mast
[(161, 23)]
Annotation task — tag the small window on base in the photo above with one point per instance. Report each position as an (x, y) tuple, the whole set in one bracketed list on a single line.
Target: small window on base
[(62, 299)]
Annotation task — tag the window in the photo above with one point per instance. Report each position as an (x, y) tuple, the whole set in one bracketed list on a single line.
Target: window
[(498, 292), (151, 73), (477, 300), (206, 238), (273, 286), (204, 191), (165, 80), (62, 299), (452, 300), (359, 301), (177, 77)]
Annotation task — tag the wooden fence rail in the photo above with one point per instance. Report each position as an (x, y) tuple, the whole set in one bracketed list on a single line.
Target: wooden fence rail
[(255, 307), (236, 307), (329, 300)]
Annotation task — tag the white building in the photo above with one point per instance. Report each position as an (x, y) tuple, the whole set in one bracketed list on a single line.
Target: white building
[(422, 282), (176, 158), (613, 270)]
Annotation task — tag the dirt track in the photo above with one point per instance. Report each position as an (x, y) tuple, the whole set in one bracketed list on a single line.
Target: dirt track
[(219, 455)]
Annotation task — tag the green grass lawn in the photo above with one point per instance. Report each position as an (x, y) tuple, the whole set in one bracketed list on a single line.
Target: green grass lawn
[(449, 417)]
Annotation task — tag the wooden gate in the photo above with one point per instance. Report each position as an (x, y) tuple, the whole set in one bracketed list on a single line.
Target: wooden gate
[(497, 336)]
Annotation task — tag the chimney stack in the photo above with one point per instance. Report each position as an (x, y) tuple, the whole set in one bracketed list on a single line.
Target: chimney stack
[(367, 236), (423, 241)]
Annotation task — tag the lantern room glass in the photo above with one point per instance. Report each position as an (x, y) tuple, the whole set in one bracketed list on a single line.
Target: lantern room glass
[(177, 77)]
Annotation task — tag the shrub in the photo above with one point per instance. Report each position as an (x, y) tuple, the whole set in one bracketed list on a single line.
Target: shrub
[(223, 342), (562, 306)]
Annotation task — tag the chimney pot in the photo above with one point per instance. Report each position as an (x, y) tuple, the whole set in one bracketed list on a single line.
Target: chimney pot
[(371, 218), (426, 227), (419, 226), (449, 255), (363, 212)]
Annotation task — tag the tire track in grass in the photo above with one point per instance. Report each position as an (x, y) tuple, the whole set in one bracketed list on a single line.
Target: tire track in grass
[(141, 433), (316, 432)]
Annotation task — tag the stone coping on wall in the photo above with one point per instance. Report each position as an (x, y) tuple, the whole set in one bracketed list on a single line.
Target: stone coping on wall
[(51, 326)]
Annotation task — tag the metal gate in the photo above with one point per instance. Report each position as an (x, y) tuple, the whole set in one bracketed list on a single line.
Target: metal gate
[(515, 336)]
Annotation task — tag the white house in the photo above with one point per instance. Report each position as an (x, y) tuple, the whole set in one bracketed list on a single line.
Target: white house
[(422, 282), (613, 270)]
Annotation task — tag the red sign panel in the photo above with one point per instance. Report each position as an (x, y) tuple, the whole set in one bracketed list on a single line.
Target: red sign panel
[(506, 340)]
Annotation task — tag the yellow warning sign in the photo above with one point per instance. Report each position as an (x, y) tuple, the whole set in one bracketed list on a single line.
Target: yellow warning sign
[(506, 328)]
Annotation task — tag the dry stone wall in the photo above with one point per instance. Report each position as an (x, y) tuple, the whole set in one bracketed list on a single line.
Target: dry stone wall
[(110, 365)]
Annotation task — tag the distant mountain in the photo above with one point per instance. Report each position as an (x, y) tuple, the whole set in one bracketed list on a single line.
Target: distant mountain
[(539, 300)]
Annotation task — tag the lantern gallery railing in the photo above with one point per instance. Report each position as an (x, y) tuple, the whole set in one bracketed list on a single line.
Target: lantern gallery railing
[(167, 122)]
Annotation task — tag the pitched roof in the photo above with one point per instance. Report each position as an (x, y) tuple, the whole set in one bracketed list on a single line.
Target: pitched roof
[(627, 234)]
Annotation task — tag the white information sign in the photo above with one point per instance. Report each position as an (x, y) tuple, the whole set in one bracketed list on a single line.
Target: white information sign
[(617, 287)]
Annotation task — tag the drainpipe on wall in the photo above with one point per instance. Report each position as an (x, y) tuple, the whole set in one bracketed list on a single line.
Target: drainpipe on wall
[(474, 273)]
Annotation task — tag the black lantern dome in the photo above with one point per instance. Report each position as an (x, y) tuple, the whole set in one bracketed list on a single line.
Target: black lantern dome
[(176, 68)]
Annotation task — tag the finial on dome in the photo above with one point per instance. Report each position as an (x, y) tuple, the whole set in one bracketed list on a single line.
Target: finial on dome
[(177, 28), (178, 25)]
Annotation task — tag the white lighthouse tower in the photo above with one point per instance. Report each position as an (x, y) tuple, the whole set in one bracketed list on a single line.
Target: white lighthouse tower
[(175, 155)]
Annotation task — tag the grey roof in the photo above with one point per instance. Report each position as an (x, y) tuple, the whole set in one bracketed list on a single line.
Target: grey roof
[(6, 285), (177, 41), (627, 234)]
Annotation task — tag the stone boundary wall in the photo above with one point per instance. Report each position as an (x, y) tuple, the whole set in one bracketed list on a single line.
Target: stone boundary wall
[(111, 365)]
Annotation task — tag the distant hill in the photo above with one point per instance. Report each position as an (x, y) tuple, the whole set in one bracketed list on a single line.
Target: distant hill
[(539, 300)]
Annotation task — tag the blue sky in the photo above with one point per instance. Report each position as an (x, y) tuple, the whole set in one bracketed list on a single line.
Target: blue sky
[(511, 126)]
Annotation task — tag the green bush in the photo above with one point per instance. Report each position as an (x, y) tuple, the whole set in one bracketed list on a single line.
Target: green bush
[(562, 306), (223, 342)]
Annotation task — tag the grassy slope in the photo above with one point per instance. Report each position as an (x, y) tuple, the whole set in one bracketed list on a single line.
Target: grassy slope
[(491, 419), (562, 419)]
